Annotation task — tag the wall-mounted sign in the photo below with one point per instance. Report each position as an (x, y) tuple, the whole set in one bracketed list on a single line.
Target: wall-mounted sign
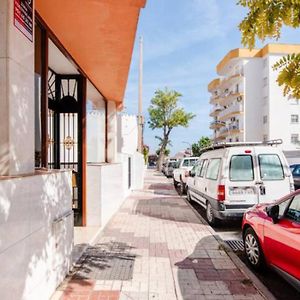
[(23, 14)]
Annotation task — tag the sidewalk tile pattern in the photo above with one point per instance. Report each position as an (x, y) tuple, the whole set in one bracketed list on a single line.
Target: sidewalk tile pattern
[(156, 248)]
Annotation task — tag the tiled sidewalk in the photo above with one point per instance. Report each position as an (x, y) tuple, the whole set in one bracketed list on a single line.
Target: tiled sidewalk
[(156, 248)]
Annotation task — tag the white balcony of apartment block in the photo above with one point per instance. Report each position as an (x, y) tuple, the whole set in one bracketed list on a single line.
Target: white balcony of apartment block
[(216, 124), (234, 109), (231, 129), (214, 99), (232, 80), (229, 97), (215, 111)]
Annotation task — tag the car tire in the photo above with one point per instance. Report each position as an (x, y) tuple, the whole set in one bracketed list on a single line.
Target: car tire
[(188, 195), (211, 219), (175, 183), (182, 188), (252, 249)]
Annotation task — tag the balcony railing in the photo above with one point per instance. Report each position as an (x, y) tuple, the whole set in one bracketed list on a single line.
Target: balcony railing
[(215, 110), (229, 129), (231, 110), (231, 80), (216, 124), (214, 99), (230, 97)]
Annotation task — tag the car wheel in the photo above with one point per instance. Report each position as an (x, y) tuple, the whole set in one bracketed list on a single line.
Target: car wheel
[(182, 188), (175, 183), (252, 249), (212, 220), (188, 195)]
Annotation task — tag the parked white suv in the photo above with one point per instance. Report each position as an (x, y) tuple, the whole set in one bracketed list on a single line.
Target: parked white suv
[(181, 172), (229, 180)]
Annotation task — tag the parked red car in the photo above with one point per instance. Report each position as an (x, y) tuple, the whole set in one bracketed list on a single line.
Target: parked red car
[(271, 234)]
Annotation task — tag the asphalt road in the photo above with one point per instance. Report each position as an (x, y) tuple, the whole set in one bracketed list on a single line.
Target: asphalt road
[(232, 231)]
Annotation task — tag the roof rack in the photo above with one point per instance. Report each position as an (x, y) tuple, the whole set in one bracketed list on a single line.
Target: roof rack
[(237, 144)]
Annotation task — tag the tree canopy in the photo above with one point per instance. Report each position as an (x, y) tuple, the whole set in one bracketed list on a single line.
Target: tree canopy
[(202, 143), (165, 114), (265, 19)]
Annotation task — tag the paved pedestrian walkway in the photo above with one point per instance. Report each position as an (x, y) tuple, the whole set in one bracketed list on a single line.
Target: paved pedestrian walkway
[(156, 247)]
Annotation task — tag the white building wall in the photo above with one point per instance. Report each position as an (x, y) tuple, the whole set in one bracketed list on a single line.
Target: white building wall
[(96, 136), (127, 134), (280, 110), (253, 96), (108, 183), (36, 234), (267, 113), (16, 96)]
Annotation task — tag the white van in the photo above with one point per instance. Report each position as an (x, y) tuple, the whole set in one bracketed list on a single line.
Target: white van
[(230, 179)]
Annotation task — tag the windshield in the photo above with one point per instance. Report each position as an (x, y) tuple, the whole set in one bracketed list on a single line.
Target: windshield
[(172, 164), (189, 162)]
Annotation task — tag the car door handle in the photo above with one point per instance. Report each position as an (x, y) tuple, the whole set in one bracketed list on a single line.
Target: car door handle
[(259, 182), (205, 189)]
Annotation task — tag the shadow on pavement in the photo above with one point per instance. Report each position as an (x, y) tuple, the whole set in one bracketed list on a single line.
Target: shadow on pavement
[(166, 208), (106, 261), (209, 272)]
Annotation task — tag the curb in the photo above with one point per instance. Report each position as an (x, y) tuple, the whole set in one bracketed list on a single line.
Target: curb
[(261, 288)]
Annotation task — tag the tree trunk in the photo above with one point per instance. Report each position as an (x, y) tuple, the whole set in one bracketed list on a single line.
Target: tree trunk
[(161, 155)]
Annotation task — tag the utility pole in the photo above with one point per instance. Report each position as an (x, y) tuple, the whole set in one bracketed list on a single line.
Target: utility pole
[(140, 107)]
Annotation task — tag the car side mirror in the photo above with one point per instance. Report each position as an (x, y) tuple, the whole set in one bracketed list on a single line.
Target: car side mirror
[(192, 174), (273, 213)]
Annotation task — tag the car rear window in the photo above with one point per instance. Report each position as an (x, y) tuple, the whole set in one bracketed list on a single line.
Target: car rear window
[(241, 168), (213, 169), (270, 167), (189, 162)]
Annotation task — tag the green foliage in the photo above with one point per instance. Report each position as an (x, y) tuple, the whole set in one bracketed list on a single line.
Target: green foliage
[(289, 76), (265, 20), (146, 153), (202, 143), (164, 111), (166, 152), (166, 115)]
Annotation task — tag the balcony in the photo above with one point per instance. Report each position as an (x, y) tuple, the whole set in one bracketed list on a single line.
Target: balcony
[(231, 129), (232, 110), (216, 124), (228, 98), (215, 111), (214, 99), (232, 80)]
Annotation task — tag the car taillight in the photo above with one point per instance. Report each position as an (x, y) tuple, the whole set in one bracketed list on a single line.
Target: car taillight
[(187, 174), (292, 187), (221, 192)]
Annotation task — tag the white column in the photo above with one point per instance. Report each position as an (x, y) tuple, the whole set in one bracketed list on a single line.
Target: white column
[(111, 132), (16, 96)]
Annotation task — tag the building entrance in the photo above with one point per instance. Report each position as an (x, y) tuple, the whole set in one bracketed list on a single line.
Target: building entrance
[(65, 132)]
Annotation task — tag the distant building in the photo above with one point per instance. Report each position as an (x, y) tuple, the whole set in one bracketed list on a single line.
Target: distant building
[(248, 104)]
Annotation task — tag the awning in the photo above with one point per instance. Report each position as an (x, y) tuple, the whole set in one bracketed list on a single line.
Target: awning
[(99, 35)]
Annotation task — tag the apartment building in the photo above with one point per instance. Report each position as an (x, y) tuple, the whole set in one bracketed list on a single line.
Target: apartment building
[(247, 103)]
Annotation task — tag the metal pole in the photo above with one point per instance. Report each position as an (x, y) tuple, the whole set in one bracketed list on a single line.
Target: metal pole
[(140, 106)]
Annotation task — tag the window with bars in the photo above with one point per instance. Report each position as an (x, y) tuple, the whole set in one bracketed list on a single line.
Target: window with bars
[(295, 138), (294, 119)]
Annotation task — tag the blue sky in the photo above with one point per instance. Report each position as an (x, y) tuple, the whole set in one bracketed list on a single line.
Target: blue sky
[(183, 42)]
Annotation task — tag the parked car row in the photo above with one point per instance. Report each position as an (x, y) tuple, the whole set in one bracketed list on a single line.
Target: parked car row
[(228, 181), (244, 181)]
